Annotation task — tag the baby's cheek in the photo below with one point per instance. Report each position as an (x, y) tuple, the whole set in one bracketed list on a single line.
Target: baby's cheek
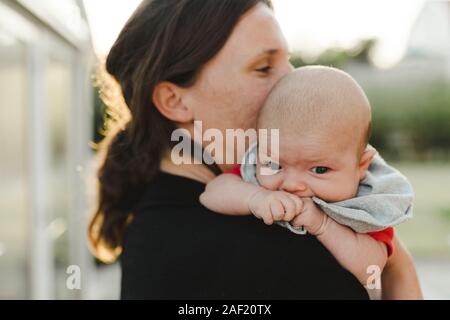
[(268, 182), (338, 190)]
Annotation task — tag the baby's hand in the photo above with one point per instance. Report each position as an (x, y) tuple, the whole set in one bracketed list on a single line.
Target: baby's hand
[(273, 206), (312, 218)]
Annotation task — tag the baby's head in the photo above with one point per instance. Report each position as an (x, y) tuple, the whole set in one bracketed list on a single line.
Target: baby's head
[(324, 118)]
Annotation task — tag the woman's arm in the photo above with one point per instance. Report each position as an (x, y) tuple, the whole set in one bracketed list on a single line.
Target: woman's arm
[(399, 278)]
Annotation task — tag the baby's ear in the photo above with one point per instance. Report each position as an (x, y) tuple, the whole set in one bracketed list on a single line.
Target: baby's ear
[(365, 161)]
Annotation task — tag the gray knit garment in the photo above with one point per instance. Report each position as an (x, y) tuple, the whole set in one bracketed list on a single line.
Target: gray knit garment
[(384, 198)]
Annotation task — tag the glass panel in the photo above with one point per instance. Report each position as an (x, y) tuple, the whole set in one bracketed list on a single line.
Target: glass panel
[(13, 187), (58, 86)]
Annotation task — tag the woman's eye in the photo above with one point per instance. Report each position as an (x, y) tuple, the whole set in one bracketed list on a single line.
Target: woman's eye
[(264, 69), (320, 170)]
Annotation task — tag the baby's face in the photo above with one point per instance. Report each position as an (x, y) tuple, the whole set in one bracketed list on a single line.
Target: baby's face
[(313, 165)]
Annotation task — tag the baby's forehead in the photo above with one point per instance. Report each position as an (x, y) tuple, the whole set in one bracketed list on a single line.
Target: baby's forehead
[(315, 132), (312, 93), (293, 148)]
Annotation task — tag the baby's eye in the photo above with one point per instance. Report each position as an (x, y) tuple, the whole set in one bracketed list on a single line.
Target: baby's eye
[(320, 170), (272, 165)]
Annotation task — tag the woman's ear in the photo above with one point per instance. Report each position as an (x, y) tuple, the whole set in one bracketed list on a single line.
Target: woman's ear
[(167, 98), (365, 161)]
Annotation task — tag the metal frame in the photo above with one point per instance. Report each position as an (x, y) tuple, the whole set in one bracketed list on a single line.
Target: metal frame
[(40, 29)]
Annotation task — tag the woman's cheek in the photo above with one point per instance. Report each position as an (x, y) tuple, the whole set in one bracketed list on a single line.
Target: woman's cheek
[(260, 92), (253, 104)]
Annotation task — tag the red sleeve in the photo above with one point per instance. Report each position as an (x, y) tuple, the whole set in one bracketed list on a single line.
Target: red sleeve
[(236, 171), (386, 236)]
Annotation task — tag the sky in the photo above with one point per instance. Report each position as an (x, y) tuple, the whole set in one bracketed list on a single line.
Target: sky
[(310, 26)]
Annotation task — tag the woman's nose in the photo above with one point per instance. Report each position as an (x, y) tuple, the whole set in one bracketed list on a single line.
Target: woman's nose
[(287, 68)]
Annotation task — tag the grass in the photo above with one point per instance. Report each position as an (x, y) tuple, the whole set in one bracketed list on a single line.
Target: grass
[(428, 234)]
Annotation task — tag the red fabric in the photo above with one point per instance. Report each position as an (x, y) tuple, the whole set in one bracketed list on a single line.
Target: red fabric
[(236, 170), (386, 236)]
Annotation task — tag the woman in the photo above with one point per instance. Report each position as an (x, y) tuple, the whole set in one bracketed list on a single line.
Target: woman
[(180, 61)]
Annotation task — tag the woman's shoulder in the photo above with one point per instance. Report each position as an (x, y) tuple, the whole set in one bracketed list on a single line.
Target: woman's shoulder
[(169, 190), (170, 205)]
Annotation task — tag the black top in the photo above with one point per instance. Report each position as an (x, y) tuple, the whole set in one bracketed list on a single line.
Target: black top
[(177, 249)]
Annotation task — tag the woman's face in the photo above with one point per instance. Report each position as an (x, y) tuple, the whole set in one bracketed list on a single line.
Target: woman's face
[(232, 86)]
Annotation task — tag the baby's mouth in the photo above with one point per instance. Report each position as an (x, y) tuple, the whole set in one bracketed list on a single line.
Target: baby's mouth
[(303, 194)]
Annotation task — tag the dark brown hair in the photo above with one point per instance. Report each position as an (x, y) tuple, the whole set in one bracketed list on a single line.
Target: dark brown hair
[(164, 40)]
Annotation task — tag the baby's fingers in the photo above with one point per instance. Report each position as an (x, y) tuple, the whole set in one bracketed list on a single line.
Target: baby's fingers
[(277, 209), (267, 218), (298, 221), (290, 208), (299, 204), (264, 213)]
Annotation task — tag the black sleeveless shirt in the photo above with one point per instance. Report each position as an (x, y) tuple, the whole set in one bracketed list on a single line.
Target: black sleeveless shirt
[(177, 249)]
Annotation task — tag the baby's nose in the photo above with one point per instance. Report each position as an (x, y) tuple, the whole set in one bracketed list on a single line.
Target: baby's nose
[(294, 186)]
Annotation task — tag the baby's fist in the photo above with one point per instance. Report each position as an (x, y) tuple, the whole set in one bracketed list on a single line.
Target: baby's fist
[(273, 206), (312, 218)]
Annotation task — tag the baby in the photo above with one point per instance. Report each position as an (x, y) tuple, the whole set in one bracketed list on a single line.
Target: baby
[(322, 175)]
